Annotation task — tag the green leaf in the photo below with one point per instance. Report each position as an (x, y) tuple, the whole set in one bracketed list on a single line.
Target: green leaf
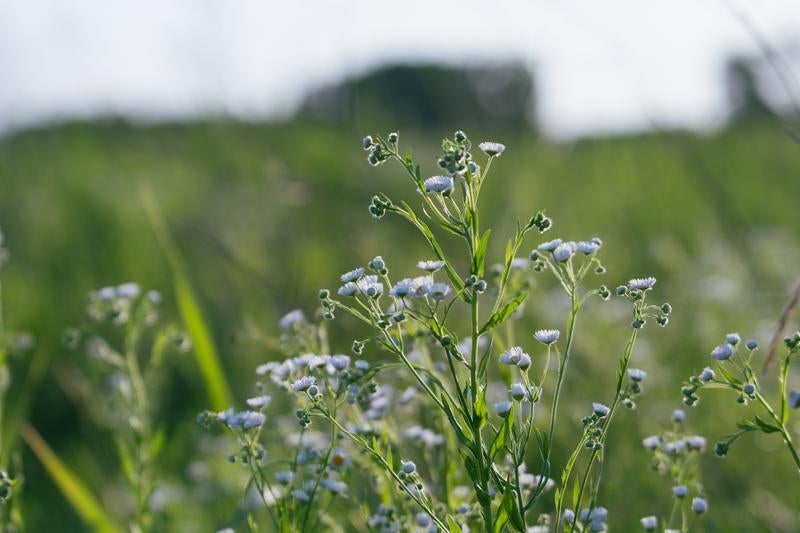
[(485, 359), (728, 376), (77, 494), (766, 427), (452, 525), (205, 350), (480, 253), (503, 313), (448, 410), (508, 511), (500, 439), (481, 413)]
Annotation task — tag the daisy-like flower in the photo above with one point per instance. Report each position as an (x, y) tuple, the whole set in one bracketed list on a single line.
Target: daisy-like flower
[(520, 263), (722, 352), (502, 409), (524, 361), (651, 442), (680, 491), (304, 383), (430, 266), (649, 523), (421, 285), (752, 344), (678, 415), (699, 505), (334, 485), (568, 516), (547, 336), (370, 287), (284, 477), (291, 318), (348, 289), (247, 419), (549, 246), (733, 339), (402, 288), (696, 442), (492, 149), (129, 290), (588, 247), (340, 362), (438, 291), (518, 391), (340, 458), (259, 401), (707, 374), (642, 284), (439, 184), (636, 374), (512, 355), (352, 275), (600, 410)]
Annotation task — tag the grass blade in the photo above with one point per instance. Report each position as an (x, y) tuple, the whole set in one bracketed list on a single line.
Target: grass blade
[(204, 348), (71, 486)]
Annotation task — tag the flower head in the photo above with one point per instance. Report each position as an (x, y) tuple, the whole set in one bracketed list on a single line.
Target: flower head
[(722, 352), (492, 149), (502, 409), (430, 266), (636, 374), (549, 246), (352, 275), (369, 286), (678, 415), (291, 318), (652, 442), (680, 491), (518, 391), (649, 523), (600, 409), (439, 184), (512, 355), (642, 284), (588, 247), (733, 339), (259, 401), (438, 291), (348, 289), (699, 505), (564, 251), (304, 383), (752, 344), (707, 374), (547, 336)]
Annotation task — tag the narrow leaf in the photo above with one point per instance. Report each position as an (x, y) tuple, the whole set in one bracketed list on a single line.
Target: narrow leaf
[(82, 500), (503, 313)]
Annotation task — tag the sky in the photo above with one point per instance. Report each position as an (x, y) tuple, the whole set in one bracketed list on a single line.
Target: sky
[(601, 66)]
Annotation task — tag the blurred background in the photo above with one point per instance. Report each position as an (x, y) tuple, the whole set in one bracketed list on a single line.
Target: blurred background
[(667, 129)]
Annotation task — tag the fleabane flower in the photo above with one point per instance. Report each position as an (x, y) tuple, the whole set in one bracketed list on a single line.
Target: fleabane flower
[(588, 247), (438, 184), (649, 523), (340, 362), (722, 352), (304, 383), (642, 284), (353, 275), (348, 289), (492, 149), (733, 339), (547, 336), (549, 246), (402, 288), (512, 355), (699, 505), (291, 318), (564, 251), (636, 374), (438, 291), (259, 401), (502, 409), (652, 442), (369, 286), (430, 266), (600, 409)]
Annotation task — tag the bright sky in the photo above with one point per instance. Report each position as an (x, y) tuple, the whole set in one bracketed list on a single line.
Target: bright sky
[(600, 66)]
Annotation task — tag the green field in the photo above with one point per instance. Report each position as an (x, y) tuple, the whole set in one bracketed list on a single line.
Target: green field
[(266, 214)]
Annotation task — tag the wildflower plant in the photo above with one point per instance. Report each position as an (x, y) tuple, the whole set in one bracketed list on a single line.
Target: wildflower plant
[(676, 454), (12, 344), (734, 370), (448, 329), (128, 345)]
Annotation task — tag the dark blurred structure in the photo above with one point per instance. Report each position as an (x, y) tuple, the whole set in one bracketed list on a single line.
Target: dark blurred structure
[(745, 96), (430, 97)]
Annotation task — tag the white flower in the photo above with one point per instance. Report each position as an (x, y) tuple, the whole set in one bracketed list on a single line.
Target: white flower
[(348, 289), (402, 288), (338, 487), (421, 285), (370, 286), (502, 409), (352, 275), (340, 362), (492, 149), (511, 356), (128, 290), (696, 442), (636, 374), (291, 318), (518, 391), (600, 410), (438, 291), (651, 442), (588, 247), (547, 336), (549, 246), (430, 266), (722, 352), (642, 284), (438, 184), (303, 383), (284, 477), (564, 251), (259, 401), (649, 523)]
